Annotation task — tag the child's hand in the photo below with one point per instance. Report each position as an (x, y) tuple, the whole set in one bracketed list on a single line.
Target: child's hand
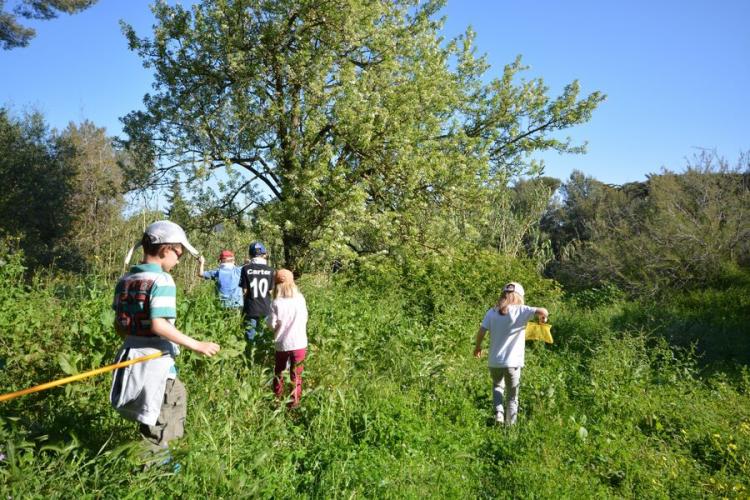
[(207, 348), (542, 314), (202, 259), (477, 352)]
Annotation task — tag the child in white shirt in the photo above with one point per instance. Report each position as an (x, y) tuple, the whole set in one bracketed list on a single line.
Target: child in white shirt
[(506, 323), (288, 320)]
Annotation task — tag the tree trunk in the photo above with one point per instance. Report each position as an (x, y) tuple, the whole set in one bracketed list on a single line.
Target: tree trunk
[(294, 248)]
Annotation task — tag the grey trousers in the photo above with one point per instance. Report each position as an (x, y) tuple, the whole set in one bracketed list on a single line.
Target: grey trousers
[(505, 384), (171, 422)]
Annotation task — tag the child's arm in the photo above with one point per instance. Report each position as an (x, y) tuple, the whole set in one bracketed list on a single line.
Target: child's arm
[(542, 314), (201, 263), (478, 345), (121, 330), (272, 320), (163, 328)]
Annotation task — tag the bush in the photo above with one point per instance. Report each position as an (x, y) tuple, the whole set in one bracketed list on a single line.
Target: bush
[(394, 404), (434, 287), (677, 231)]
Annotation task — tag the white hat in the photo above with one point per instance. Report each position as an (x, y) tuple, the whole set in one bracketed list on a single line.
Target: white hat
[(163, 232), (514, 287)]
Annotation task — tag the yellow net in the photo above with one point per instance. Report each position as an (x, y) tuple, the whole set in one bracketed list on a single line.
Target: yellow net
[(539, 331)]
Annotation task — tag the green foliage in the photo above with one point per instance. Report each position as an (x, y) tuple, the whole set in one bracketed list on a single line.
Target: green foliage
[(716, 321), (393, 406), (596, 297), (14, 34), (62, 199), (179, 208), (96, 187), (351, 128), (568, 219), (39, 188), (511, 221), (446, 285), (676, 231)]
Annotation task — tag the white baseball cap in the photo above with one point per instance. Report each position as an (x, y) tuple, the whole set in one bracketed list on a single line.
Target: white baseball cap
[(163, 232), (514, 287)]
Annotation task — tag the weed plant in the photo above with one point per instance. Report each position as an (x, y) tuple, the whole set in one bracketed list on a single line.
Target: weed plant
[(394, 404)]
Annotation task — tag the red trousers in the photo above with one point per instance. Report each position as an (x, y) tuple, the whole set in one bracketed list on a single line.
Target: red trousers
[(295, 359)]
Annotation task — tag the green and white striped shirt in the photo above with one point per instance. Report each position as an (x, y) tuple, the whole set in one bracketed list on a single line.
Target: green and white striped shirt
[(144, 293)]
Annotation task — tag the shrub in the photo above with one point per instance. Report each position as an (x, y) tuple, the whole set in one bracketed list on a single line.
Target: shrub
[(394, 404)]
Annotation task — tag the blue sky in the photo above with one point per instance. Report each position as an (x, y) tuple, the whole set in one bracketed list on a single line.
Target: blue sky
[(676, 73)]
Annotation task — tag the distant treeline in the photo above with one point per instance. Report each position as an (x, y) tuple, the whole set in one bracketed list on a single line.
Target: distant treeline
[(65, 193), (672, 231)]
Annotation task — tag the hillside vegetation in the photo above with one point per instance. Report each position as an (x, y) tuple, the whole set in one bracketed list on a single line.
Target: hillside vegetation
[(400, 176), (394, 403)]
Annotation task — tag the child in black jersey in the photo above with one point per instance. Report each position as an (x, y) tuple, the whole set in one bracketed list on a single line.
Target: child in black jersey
[(257, 282)]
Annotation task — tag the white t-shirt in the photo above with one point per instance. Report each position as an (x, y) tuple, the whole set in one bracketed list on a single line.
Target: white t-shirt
[(507, 335), (288, 320)]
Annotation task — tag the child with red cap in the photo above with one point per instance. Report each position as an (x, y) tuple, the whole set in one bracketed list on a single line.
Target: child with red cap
[(227, 277), (288, 320)]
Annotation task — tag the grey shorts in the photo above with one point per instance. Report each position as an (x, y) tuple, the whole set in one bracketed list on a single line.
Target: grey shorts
[(171, 422)]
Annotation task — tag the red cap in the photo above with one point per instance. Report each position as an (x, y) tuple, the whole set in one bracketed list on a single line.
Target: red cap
[(226, 254)]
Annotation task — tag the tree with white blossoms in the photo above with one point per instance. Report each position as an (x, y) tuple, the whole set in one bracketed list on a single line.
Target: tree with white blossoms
[(352, 127)]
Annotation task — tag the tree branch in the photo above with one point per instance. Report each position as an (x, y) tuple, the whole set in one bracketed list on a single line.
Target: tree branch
[(263, 178), (541, 127)]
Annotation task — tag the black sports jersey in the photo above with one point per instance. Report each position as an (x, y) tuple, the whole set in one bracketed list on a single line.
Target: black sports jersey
[(257, 280)]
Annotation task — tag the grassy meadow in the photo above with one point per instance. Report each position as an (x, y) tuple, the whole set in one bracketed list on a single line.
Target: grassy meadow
[(632, 400)]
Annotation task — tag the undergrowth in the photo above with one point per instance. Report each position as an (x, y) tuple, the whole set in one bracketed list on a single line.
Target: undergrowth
[(394, 404)]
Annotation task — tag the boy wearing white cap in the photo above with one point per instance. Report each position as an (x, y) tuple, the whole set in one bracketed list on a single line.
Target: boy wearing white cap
[(506, 323), (145, 311)]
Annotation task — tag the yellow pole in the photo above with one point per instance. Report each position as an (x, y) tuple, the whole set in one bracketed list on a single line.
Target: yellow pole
[(79, 376)]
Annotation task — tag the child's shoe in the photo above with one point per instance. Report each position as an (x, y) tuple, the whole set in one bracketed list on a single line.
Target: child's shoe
[(292, 405), (161, 458), (169, 463)]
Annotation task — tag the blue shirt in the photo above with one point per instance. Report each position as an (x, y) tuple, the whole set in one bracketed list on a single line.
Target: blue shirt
[(227, 277)]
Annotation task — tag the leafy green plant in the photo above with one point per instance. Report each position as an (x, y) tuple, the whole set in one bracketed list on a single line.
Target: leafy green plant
[(394, 405)]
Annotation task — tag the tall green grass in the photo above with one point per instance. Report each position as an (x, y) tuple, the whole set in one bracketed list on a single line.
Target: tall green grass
[(394, 404)]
